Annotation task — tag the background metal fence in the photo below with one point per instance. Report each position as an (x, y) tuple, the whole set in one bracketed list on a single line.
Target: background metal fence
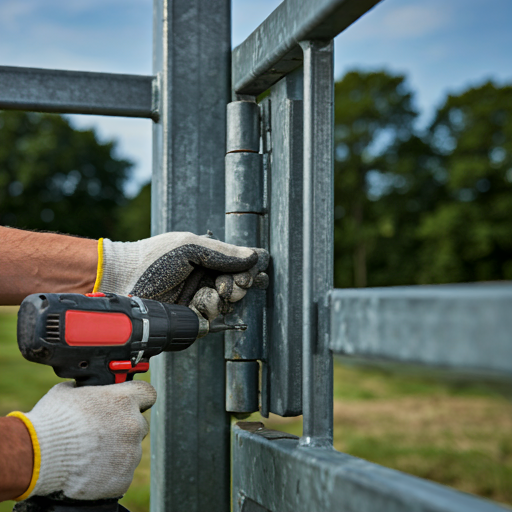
[(269, 184)]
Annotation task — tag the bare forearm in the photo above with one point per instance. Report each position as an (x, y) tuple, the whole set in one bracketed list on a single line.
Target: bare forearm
[(16, 458), (33, 262)]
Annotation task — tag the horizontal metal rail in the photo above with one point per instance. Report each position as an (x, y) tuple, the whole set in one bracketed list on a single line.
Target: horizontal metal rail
[(77, 92), (276, 474), (272, 50), (463, 327)]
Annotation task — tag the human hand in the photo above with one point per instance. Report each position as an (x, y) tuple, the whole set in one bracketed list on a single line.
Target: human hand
[(87, 440), (182, 268)]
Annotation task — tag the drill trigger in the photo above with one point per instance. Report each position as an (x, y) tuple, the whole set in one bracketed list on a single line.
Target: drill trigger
[(121, 369)]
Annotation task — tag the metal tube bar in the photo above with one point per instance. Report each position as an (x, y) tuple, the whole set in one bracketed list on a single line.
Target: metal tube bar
[(272, 50), (285, 178), (278, 477), (318, 232), (77, 92), (463, 327), (190, 428)]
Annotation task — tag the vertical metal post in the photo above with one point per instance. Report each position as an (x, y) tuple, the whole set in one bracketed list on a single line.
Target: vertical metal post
[(318, 241), (189, 426), (285, 177)]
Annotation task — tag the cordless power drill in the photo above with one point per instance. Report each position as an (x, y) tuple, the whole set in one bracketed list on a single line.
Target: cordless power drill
[(97, 339)]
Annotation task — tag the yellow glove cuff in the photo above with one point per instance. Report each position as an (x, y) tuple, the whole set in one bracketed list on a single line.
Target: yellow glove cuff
[(37, 453), (99, 271)]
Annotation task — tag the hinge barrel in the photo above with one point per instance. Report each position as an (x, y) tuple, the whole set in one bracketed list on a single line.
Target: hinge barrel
[(245, 210)]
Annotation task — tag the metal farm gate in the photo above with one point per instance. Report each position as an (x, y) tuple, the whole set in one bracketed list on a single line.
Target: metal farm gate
[(269, 183)]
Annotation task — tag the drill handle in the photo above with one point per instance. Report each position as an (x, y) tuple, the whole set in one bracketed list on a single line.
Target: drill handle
[(58, 504)]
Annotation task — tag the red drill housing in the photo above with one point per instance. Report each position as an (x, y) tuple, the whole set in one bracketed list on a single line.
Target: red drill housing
[(102, 338)]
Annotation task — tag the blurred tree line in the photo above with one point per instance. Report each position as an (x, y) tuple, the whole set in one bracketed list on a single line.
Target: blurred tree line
[(56, 178), (424, 207), (411, 206)]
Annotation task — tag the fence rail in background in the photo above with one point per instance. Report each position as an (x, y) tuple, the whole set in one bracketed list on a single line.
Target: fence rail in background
[(465, 327)]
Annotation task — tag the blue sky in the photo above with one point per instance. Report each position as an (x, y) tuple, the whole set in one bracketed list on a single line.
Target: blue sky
[(441, 45)]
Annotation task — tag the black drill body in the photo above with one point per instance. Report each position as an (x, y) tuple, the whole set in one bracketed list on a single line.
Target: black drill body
[(98, 339), (101, 338)]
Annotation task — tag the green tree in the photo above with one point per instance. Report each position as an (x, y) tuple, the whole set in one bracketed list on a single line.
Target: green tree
[(468, 236), (135, 217), (374, 116), (410, 191), (56, 178)]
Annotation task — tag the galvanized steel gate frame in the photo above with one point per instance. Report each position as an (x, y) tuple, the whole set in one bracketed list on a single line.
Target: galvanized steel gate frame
[(270, 185)]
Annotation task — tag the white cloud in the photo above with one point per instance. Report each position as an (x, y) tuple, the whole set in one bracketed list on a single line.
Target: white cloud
[(134, 142)]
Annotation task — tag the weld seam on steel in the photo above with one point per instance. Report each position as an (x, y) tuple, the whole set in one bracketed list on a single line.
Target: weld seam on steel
[(241, 151), (246, 213), (78, 92)]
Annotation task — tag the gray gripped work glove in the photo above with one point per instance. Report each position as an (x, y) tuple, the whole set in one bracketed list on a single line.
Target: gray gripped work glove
[(181, 268), (87, 441)]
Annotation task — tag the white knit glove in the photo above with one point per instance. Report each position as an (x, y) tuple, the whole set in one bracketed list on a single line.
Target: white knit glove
[(87, 440), (181, 268)]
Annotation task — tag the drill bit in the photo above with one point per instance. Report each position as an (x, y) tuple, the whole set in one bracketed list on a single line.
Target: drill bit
[(219, 325)]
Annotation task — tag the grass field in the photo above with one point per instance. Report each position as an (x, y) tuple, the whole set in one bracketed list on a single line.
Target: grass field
[(454, 434)]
